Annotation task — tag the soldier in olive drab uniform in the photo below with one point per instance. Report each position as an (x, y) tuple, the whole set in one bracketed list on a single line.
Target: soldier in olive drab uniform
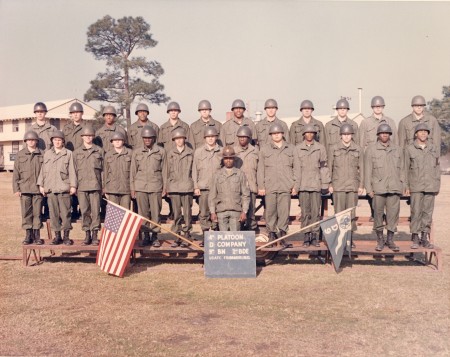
[(207, 160), (262, 127), (179, 184), (147, 182), (384, 180), (116, 174), (58, 181), (276, 181), (88, 160), (332, 128), (312, 178), (247, 157), (26, 172), (296, 130), (134, 133), (42, 128), (406, 127), (423, 181), (229, 197), (346, 163), (104, 134), (197, 128), (174, 122), (230, 127)]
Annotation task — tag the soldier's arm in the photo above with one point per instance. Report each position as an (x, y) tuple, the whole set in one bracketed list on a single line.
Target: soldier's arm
[(297, 169), (222, 135), (356, 135), (437, 137), (72, 175), (402, 169), (324, 171), (394, 136), (361, 171), (362, 134), (406, 165), (322, 138), (105, 173), (213, 195), (245, 192), (401, 134), (164, 173), (191, 138), (368, 171), (133, 171), (260, 174), (286, 132), (292, 134)]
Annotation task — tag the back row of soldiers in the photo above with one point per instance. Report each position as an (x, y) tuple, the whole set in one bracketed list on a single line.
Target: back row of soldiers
[(183, 161)]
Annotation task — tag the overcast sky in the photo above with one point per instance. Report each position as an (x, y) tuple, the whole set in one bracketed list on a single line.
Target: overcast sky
[(222, 50)]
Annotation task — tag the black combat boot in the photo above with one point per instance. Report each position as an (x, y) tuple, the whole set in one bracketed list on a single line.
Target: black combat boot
[(390, 242), (28, 237), (283, 242), (37, 237), (94, 237), (185, 244), (416, 241), (425, 241), (155, 240), (67, 240), (202, 243), (57, 240), (307, 240), (87, 238), (314, 241), (146, 241), (380, 241)]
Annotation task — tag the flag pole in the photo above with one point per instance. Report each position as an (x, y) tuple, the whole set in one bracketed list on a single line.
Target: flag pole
[(301, 229), (158, 225)]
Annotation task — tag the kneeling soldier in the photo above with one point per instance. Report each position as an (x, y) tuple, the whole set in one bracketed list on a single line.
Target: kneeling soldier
[(423, 181), (26, 171), (88, 160), (384, 178), (58, 181), (229, 197)]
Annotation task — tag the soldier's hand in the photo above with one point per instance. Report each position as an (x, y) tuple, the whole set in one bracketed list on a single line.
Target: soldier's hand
[(330, 189), (42, 190), (360, 191), (197, 192), (407, 193), (261, 192), (18, 194), (293, 191), (133, 195), (371, 194), (213, 217), (324, 191), (243, 217), (164, 192)]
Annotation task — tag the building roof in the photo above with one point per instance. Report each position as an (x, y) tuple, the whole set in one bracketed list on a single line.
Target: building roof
[(56, 109)]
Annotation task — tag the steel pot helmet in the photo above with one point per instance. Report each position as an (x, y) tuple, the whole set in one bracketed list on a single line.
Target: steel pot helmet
[(418, 100), (148, 132), (228, 151), (421, 126), (204, 104), (30, 135), (173, 106), (377, 101), (276, 128), (76, 107), (238, 103), (270, 103), (244, 131), (384, 128), (210, 131), (40, 107), (117, 136), (306, 104), (57, 134), (87, 130), (346, 129), (109, 109), (178, 133), (309, 128), (142, 107), (342, 104)]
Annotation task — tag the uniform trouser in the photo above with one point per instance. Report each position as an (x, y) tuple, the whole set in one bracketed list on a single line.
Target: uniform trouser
[(422, 206), (31, 206), (75, 205), (344, 200), (149, 205), (370, 200), (278, 205), (391, 203), (310, 206), (60, 209), (123, 200), (90, 210), (251, 220), (229, 221), (204, 214), (182, 209)]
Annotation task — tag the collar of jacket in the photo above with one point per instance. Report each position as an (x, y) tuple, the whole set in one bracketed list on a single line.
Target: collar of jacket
[(72, 125), (45, 126), (93, 148), (301, 121), (238, 148), (186, 150), (383, 118), (380, 146), (215, 148), (337, 122), (140, 125), (282, 147), (63, 152), (427, 145), (123, 152), (223, 171), (210, 122), (36, 151), (113, 127), (266, 121), (311, 147), (351, 147), (244, 120), (155, 148)]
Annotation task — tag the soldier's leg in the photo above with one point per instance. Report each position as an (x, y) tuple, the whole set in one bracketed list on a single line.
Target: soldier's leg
[(305, 205), (352, 201), (176, 209), (316, 200), (204, 213), (392, 211), (143, 203), (284, 207), (379, 203), (85, 207), (26, 206), (427, 218), (155, 199), (370, 201), (186, 203), (234, 223), (224, 221), (95, 197), (251, 220), (65, 211), (339, 201), (53, 206), (271, 212), (416, 212), (125, 201), (75, 213), (37, 207), (115, 198)]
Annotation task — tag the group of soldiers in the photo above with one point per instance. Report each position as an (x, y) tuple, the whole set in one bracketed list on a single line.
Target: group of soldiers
[(226, 166)]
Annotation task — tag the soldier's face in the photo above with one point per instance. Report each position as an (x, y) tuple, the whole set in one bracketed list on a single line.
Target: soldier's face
[(384, 137), (204, 113), (40, 115), (307, 112), (76, 116), (211, 140), (179, 141), (243, 140), (277, 137), (173, 114), (148, 142), (118, 144), (309, 136), (58, 143), (418, 109), (109, 119), (228, 162), (271, 112), (378, 109), (422, 135), (342, 112), (88, 139), (31, 144), (142, 115), (238, 112), (346, 138)]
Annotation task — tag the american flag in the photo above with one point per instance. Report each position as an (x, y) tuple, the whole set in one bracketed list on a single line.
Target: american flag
[(117, 239)]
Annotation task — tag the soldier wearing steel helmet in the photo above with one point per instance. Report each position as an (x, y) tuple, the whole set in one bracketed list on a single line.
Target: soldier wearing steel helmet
[(346, 165), (104, 134), (88, 161), (423, 181), (332, 128), (312, 178), (384, 180), (197, 128), (296, 130), (262, 127), (72, 130), (229, 197), (406, 127), (174, 122), (179, 184), (42, 127), (148, 182), (26, 172), (116, 173), (58, 181), (134, 132), (230, 127)]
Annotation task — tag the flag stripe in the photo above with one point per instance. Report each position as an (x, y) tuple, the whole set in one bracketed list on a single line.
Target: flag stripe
[(116, 245), (118, 248), (127, 251)]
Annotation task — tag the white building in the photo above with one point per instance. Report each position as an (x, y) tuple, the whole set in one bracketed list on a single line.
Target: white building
[(16, 120)]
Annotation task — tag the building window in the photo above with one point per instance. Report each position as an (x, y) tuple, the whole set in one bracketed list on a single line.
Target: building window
[(15, 147), (15, 125), (1, 127), (55, 123), (28, 123)]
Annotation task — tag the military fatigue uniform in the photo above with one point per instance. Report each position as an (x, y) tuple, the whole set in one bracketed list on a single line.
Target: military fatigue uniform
[(89, 167), (384, 175), (104, 134), (72, 134), (262, 131), (206, 163), (332, 131), (296, 131), (45, 133), (423, 180), (116, 176), (147, 179), (230, 128), (347, 176), (247, 161), (165, 132), (311, 176), (197, 129), (134, 133), (368, 130), (276, 176), (57, 176), (26, 172), (180, 186)]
